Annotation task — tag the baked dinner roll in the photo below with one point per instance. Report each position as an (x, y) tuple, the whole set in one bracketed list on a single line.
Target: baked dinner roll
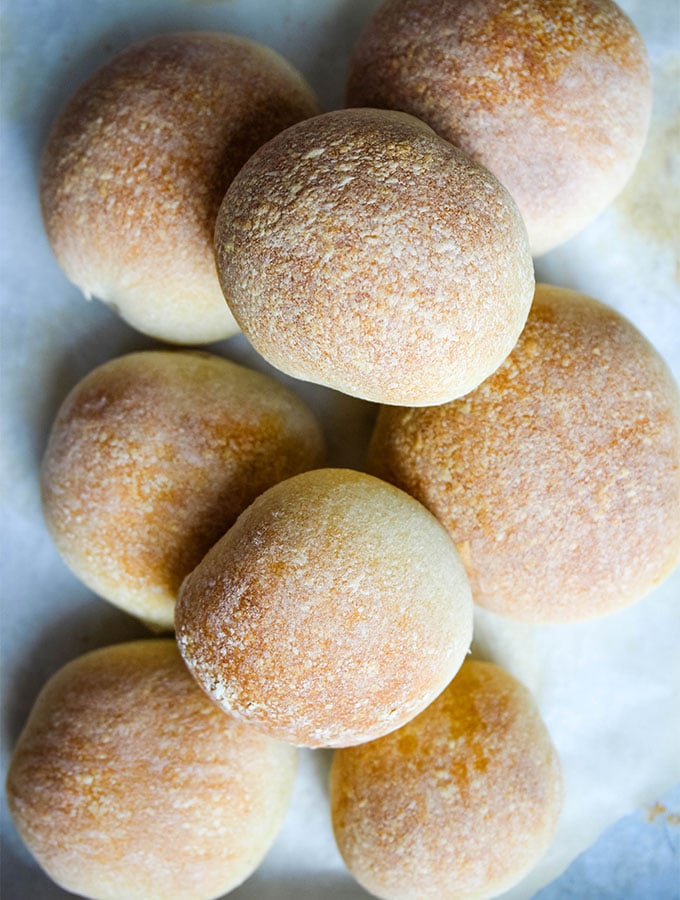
[(332, 612), (138, 162), (554, 98), (360, 251), (127, 782), (151, 459), (559, 477), (460, 803)]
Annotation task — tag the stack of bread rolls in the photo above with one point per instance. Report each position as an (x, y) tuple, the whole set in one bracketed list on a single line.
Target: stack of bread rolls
[(525, 456)]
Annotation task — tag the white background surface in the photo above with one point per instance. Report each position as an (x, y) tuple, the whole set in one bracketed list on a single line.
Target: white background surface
[(608, 690)]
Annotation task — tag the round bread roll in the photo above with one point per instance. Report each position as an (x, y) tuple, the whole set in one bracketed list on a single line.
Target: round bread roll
[(137, 164), (151, 459), (460, 803), (360, 251), (554, 98), (333, 611), (127, 782), (559, 477)]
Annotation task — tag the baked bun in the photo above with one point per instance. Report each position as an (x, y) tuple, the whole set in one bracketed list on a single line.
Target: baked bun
[(559, 477), (151, 459), (138, 162), (128, 782), (460, 803), (554, 98), (360, 251), (332, 612)]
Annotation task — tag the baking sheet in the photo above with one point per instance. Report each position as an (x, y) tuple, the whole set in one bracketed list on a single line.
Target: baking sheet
[(607, 689)]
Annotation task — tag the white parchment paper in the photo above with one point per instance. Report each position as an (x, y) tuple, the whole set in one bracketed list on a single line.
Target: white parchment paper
[(608, 689)]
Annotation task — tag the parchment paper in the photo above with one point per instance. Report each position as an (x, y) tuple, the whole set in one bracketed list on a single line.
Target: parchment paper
[(608, 689)]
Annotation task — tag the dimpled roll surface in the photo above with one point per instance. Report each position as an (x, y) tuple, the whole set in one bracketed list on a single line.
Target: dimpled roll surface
[(553, 97), (137, 164), (127, 782), (460, 803), (360, 251), (153, 456), (333, 611), (559, 477)]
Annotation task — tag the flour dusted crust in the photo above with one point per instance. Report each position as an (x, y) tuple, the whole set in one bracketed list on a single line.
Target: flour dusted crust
[(553, 97), (559, 477), (151, 459), (137, 165), (460, 803), (332, 612), (128, 782), (360, 251)]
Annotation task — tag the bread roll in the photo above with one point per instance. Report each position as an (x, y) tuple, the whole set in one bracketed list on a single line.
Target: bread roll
[(559, 477), (151, 459), (332, 612), (460, 803), (138, 162), (554, 98), (360, 251), (127, 782)]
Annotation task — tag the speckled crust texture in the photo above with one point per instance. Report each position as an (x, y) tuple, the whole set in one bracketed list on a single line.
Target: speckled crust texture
[(137, 165), (128, 782), (360, 251), (151, 459), (331, 613), (559, 477), (553, 97), (460, 803)]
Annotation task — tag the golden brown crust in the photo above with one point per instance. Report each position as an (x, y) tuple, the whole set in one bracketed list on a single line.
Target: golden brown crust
[(128, 782), (554, 98), (333, 611), (151, 459), (137, 165), (559, 477), (360, 251), (458, 804)]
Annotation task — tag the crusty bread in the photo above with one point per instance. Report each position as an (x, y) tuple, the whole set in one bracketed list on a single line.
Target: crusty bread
[(137, 164), (360, 251), (127, 782), (554, 98), (332, 612), (559, 477), (151, 459), (460, 803)]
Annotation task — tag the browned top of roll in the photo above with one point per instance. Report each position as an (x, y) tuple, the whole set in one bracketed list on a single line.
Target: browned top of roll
[(459, 803), (359, 250), (151, 459), (553, 97), (559, 477), (137, 165), (333, 611), (127, 781)]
